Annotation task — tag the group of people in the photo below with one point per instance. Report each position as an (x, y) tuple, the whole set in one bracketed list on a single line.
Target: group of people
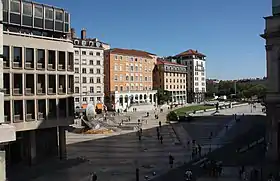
[(213, 168)]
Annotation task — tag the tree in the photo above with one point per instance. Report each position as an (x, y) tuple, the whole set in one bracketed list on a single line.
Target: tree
[(172, 116), (163, 96)]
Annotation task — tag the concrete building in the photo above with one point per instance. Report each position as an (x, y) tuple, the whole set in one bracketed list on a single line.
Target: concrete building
[(89, 69), (128, 79), (196, 78), (271, 35), (38, 80), (171, 77)]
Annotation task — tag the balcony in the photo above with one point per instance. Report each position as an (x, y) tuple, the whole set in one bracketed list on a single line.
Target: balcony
[(51, 67), (50, 91), (28, 91), (6, 120), (28, 65), (16, 92), (39, 66), (40, 116), (40, 91), (60, 67), (28, 117), (16, 65), (17, 118), (199, 68), (70, 68), (60, 90), (6, 65), (70, 91), (6, 92)]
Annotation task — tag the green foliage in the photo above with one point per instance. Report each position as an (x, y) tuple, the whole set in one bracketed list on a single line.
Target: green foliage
[(163, 96), (172, 116)]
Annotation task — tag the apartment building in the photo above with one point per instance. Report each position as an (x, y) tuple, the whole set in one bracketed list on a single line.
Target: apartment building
[(128, 79), (171, 76), (38, 79), (196, 78), (89, 70)]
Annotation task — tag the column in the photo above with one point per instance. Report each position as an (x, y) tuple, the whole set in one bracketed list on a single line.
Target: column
[(67, 106), (62, 143), (32, 144), (47, 108), (57, 109), (11, 110), (36, 109)]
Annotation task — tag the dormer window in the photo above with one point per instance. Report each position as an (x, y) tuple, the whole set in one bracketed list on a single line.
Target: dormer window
[(91, 43), (76, 42), (84, 43)]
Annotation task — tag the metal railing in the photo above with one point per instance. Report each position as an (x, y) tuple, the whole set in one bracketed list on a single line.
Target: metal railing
[(17, 118), (39, 66), (5, 64), (6, 119), (60, 90), (28, 117), (50, 67), (60, 67), (6, 92), (39, 91), (16, 65), (16, 91), (70, 90), (40, 116), (28, 65), (28, 91), (50, 91)]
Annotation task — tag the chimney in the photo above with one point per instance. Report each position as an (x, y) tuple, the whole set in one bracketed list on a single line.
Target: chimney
[(83, 34), (73, 33)]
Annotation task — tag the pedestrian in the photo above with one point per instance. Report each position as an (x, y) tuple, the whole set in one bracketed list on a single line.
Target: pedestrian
[(158, 135), (128, 118), (138, 121), (139, 135), (159, 123), (199, 150), (171, 160), (93, 177), (226, 127), (188, 144), (157, 130), (141, 131), (161, 140)]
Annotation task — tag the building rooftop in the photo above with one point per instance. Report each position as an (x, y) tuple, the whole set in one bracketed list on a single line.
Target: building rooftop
[(131, 52), (190, 52), (163, 61)]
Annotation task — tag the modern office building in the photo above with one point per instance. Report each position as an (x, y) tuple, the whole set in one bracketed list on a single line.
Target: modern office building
[(196, 78), (271, 35), (128, 79), (89, 69), (171, 76), (38, 80)]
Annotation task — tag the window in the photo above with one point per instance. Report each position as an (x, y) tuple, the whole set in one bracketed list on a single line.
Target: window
[(84, 52), (84, 70), (91, 99), (203, 90), (90, 53), (48, 13), (127, 88), (91, 90), (98, 80), (196, 83), (77, 90), (38, 12), (15, 7), (136, 69), (6, 54), (146, 79), (131, 68), (84, 61), (91, 62), (136, 78), (97, 53), (76, 70), (91, 71), (202, 73), (98, 71), (120, 67), (17, 54), (116, 67), (202, 78), (58, 15), (127, 78), (91, 80), (98, 89), (77, 79), (29, 55), (76, 52), (116, 78), (77, 99), (203, 84), (127, 68), (116, 88), (121, 77), (27, 9), (121, 88), (196, 78), (131, 78), (84, 99), (98, 62), (196, 73), (196, 90), (84, 80)]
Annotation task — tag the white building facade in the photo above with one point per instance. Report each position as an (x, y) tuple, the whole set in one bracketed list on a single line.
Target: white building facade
[(196, 77), (38, 80), (89, 70)]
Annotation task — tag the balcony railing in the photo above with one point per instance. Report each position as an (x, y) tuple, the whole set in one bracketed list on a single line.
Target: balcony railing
[(50, 91), (28, 65), (39, 66), (50, 67), (6, 119), (17, 118), (70, 68), (28, 117), (40, 116), (5, 64), (28, 91), (40, 91), (6, 92), (199, 68), (70, 90), (60, 90), (16, 92), (16, 65), (60, 67)]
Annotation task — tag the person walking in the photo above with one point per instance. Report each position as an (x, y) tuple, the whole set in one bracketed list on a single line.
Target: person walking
[(158, 135), (171, 160), (161, 139), (93, 177), (199, 150), (159, 123)]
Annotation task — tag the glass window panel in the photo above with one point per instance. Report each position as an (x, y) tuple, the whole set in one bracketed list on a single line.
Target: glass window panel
[(49, 24), (38, 22), (27, 20), (66, 28), (29, 54), (17, 54), (27, 9), (58, 26), (6, 53), (41, 55), (66, 17), (5, 5), (38, 12), (15, 18), (48, 13), (15, 6), (59, 15), (5, 16)]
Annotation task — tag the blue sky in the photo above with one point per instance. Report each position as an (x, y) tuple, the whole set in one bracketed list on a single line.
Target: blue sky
[(226, 31)]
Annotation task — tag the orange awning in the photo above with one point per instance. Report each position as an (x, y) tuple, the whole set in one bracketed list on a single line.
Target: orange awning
[(99, 106), (84, 106)]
